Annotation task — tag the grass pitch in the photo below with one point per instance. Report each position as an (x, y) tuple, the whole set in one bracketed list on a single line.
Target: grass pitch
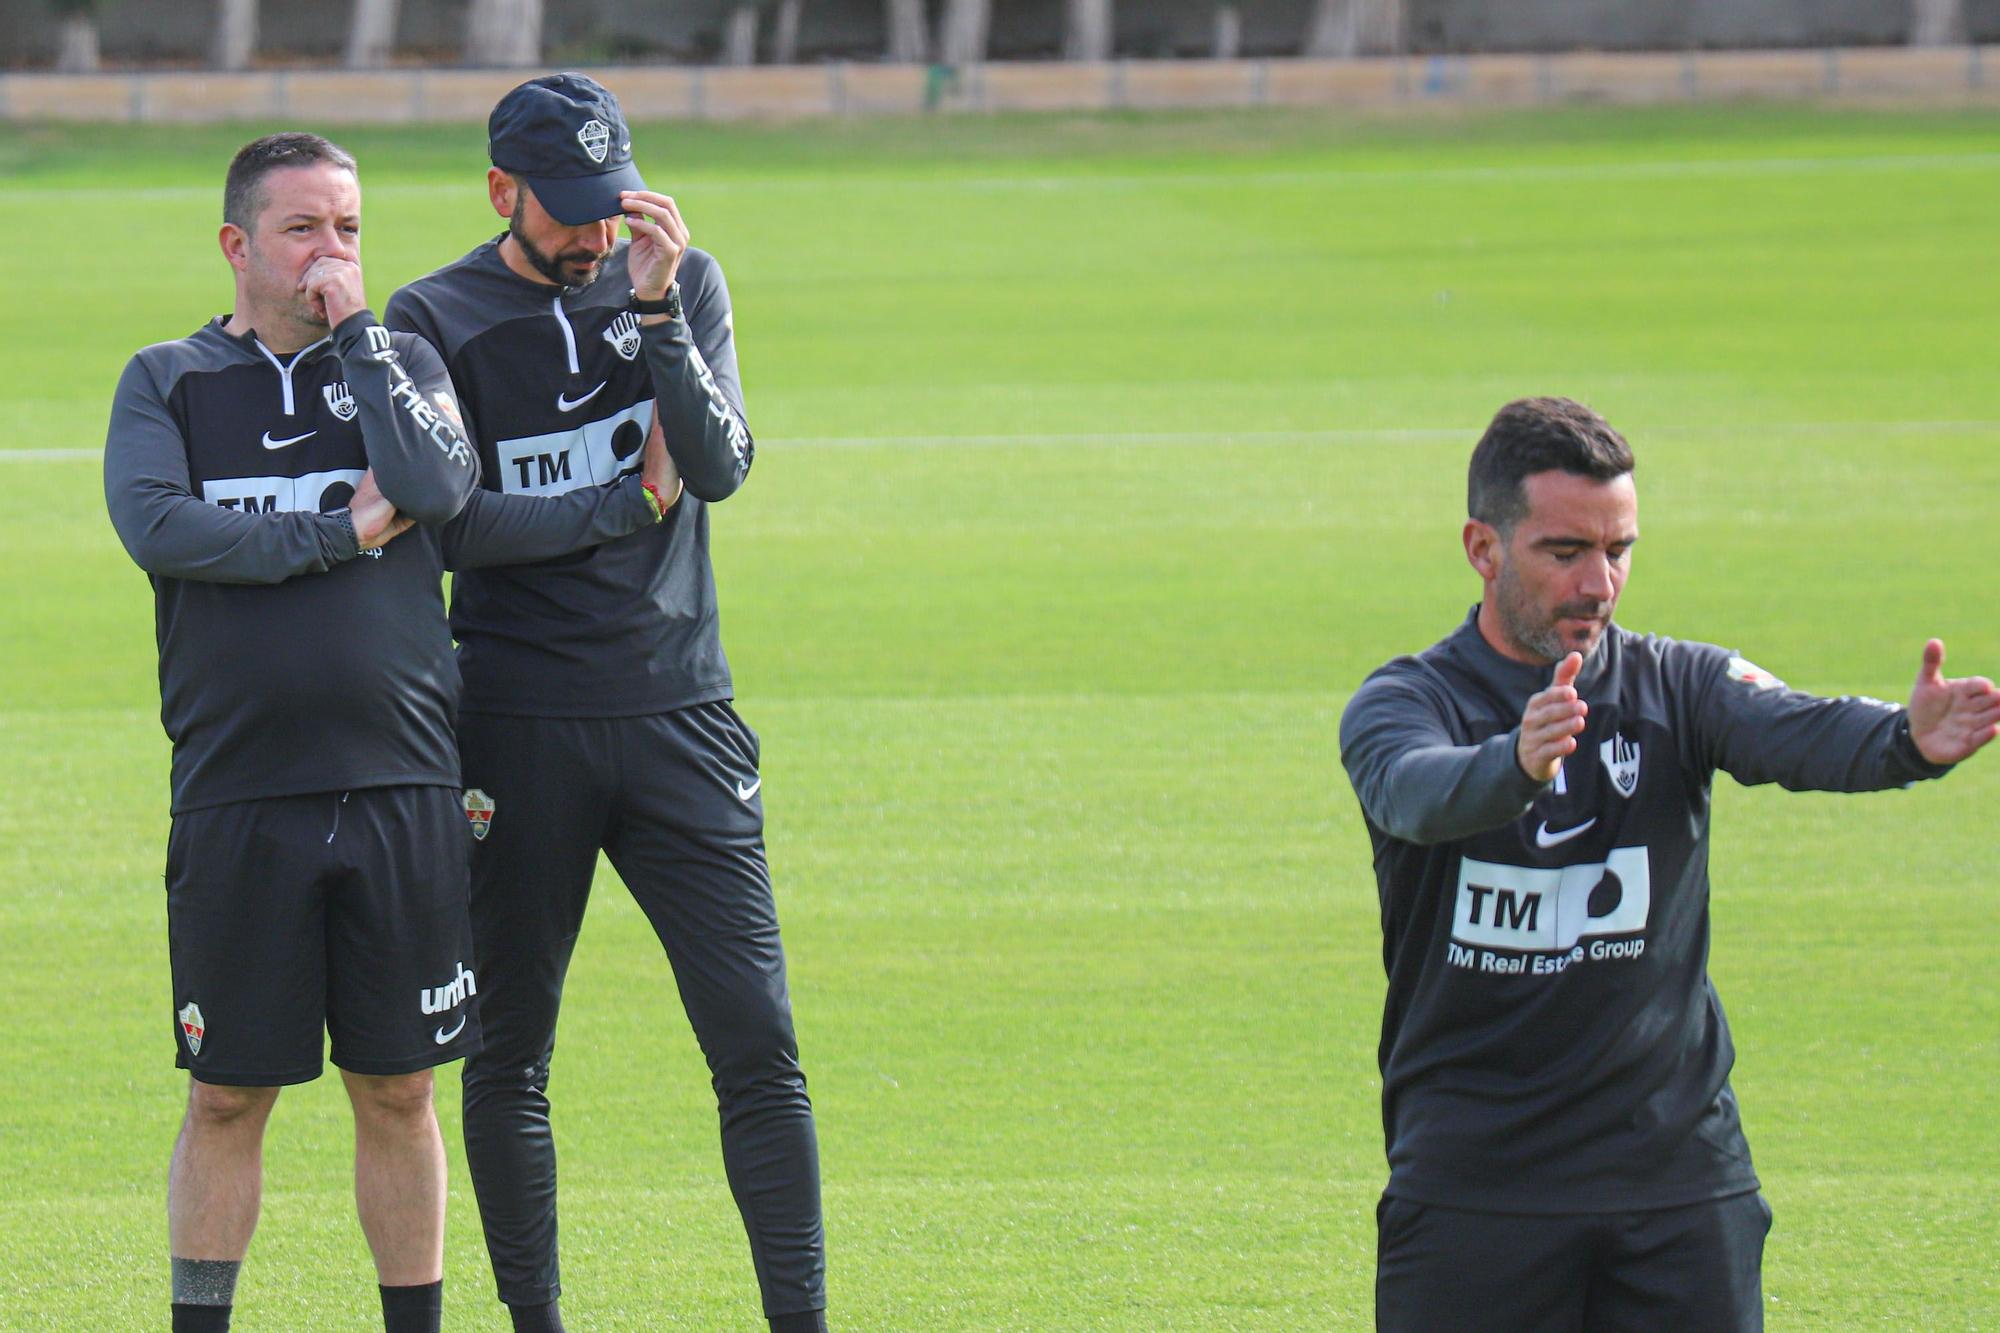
[(1099, 459)]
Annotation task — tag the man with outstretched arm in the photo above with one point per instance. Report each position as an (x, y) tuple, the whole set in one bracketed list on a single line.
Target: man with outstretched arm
[(317, 866), (598, 707), (1564, 1148)]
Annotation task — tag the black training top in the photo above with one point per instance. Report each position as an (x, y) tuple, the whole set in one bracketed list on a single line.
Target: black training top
[(1551, 1041), (559, 388), (286, 664)]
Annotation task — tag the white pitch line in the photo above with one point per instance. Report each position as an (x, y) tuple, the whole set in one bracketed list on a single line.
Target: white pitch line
[(1359, 435), (1547, 171)]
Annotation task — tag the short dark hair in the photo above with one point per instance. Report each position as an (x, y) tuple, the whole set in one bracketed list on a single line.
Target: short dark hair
[(242, 193), (1532, 435)]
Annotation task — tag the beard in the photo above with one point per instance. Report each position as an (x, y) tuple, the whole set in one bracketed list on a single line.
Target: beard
[(557, 268), (1541, 635), (278, 295)]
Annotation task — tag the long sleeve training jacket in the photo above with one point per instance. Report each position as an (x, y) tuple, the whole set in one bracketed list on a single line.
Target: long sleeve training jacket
[(559, 389), (287, 664), (1551, 1041)]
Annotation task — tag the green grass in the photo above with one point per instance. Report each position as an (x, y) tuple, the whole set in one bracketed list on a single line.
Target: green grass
[(1100, 458)]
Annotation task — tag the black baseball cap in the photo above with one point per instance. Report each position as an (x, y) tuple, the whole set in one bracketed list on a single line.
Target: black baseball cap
[(564, 135)]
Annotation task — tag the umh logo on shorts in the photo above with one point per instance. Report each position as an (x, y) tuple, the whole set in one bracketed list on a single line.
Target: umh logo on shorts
[(192, 1027)]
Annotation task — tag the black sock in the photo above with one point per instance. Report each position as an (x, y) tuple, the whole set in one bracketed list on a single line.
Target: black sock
[(806, 1321), (413, 1309), (536, 1318), (201, 1318), (204, 1290)]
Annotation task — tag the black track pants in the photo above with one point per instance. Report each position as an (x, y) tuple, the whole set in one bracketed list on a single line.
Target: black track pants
[(674, 799)]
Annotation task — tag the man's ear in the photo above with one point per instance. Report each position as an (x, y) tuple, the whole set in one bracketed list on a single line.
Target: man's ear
[(235, 243), (500, 188), (1483, 548)]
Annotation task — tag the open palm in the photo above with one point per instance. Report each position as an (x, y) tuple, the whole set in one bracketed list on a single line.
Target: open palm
[(1951, 719)]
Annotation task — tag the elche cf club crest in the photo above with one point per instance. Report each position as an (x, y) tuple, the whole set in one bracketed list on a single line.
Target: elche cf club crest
[(340, 401), (1621, 761), (478, 813), (595, 136), (192, 1027), (623, 335)]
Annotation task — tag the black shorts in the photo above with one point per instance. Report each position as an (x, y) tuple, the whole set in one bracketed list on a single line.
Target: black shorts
[(1694, 1267), (338, 912)]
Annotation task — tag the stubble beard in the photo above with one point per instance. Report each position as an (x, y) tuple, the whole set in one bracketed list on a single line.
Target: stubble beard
[(1532, 633), (554, 267), (281, 300)]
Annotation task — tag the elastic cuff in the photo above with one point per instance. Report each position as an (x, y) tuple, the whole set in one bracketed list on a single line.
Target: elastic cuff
[(350, 329), (352, 548)]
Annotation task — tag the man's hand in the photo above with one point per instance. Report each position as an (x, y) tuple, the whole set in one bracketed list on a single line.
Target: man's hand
[(376, 522), (659, 239), (1951, 719), (656, 466), (1550, 723), (335, 288)]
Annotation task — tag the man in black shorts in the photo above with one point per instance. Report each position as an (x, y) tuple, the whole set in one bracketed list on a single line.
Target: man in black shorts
[(317, 869), (597, 710), (1564, 1147)]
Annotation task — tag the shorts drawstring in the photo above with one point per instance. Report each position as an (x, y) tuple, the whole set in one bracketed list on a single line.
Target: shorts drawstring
[(336, 816)]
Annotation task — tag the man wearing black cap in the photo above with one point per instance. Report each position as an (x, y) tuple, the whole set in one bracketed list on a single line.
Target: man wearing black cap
[(597, 707)]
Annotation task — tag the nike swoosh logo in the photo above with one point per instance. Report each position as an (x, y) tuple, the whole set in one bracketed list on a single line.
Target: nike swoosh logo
[(1544, 838), (270, 443), (564, 403), (443, 1036), (744, 793)]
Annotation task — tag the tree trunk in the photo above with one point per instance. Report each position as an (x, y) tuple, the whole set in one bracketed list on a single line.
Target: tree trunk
[(1346, 28), (785, 33), (1937, 22), (908, 42), (1228, 31), (1086, 30), (235, 34), (76, 45), (371, 34), (739, 38), (963, 30), (506, 33)]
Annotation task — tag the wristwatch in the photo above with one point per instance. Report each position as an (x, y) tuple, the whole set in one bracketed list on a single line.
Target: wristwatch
[(669, 305)]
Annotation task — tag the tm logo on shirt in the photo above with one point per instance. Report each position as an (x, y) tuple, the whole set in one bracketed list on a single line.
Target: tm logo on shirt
[(1543, 916)]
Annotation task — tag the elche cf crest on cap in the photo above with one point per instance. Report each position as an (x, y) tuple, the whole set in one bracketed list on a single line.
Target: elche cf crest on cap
[(192, 1026), (478, 812), (566, 137)]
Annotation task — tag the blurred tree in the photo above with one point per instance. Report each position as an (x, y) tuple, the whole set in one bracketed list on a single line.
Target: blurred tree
[(235, 34), (1937, 22), (503, 32), (1086, 30), (785, 33), (739, 35), (371, 34), (1344, 28), (909, 43), (1228, 30), (76, 36), (962, 32)]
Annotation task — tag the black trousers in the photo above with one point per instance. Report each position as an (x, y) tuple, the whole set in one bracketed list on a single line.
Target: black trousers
[(675, 801), (1660, 1271)]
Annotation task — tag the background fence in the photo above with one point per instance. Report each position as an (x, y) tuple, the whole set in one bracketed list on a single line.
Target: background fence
[(329, 96)]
